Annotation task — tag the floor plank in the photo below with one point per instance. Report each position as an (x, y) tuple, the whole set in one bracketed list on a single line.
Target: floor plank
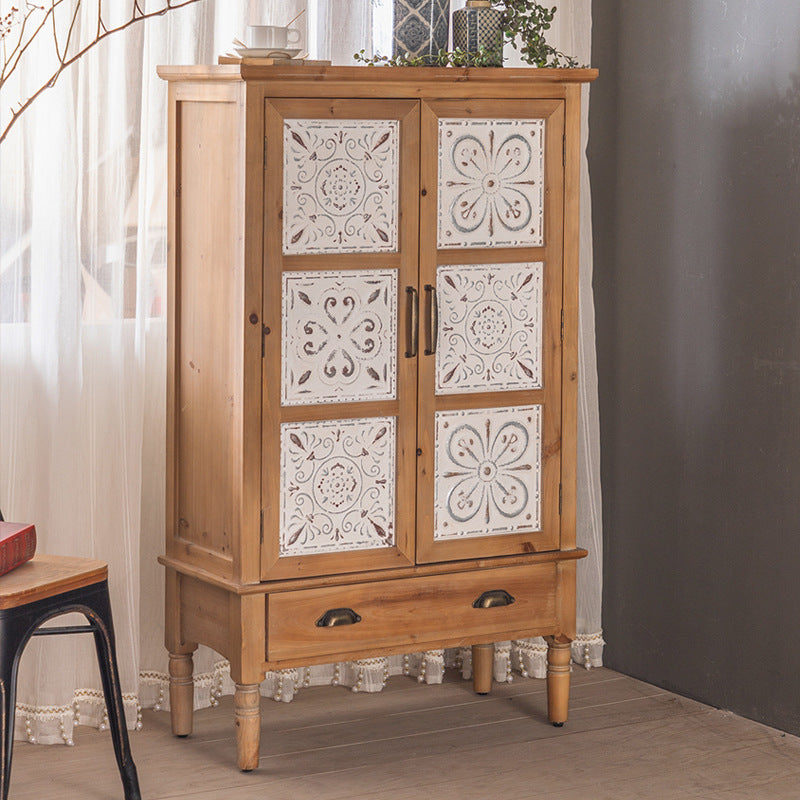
[(624, 740)]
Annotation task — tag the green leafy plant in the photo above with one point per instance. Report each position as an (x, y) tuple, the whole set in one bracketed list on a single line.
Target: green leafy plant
[(400, 60), (523, 19), (444, 58), (529, 21)]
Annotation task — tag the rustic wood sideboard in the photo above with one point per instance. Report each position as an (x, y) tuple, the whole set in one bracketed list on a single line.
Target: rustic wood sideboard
[(372, 361)]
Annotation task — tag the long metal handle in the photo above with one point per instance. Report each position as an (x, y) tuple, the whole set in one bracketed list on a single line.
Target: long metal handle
[(338, 616), (412, 321), (496, 597), (431, 319)]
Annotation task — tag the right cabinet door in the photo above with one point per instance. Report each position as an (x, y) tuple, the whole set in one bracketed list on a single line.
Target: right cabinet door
[(491, 253)]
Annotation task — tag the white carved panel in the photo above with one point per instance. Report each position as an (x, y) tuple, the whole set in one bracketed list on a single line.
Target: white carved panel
[(490, 327), (337, 485), (339, 340), (491, 183), (487, 472), (340, 180)]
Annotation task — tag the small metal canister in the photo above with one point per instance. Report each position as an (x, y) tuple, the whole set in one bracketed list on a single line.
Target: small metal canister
[(479, 25)]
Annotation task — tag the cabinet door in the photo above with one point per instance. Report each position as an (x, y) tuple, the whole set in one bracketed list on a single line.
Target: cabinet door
[(339, 417), (491, 252)]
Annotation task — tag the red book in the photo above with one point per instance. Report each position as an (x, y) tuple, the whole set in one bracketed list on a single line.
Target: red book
[(17, 544)]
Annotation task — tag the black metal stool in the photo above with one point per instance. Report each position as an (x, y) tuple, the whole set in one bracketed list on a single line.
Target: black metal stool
[(47, 587)]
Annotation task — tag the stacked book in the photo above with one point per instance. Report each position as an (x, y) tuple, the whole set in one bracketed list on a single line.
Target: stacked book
[(17, 544)]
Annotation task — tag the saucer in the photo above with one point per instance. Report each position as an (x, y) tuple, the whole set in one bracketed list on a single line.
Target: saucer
[(266, 52)]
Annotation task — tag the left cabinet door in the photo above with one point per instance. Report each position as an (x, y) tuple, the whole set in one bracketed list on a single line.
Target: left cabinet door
[(340, 261)]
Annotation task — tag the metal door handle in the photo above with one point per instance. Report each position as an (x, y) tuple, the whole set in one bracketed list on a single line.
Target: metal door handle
[(412, 321), (338, 616), (431, 320), (496, 597)]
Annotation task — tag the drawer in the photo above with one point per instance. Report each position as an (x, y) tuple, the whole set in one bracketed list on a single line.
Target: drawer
[(434, 610)]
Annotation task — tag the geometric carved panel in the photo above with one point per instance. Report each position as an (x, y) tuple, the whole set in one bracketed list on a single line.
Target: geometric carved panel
[(339, 340), (337, 485), (490, 329), (491, 183), (487, 472), (340, 180)]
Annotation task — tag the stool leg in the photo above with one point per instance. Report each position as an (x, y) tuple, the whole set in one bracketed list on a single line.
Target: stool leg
[(107, 658), (7, 680), (7, 732), (11, 644)]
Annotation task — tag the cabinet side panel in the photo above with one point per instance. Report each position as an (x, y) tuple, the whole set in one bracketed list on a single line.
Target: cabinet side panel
[(208, 291), (572, 132)]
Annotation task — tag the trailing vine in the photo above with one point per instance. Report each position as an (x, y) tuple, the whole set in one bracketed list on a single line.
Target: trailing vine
[(529, 21), (444, 58)]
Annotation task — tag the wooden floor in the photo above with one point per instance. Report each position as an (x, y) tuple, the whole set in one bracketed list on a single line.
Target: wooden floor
[(625, 740)]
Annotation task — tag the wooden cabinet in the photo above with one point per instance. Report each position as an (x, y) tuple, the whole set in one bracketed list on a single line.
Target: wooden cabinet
[(372, 368)]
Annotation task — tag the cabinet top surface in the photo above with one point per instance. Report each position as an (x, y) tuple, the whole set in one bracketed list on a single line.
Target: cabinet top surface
[(377, 75)]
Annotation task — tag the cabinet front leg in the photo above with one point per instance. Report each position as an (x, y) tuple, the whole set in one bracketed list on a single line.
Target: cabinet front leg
[(247, 706), (181, 692), (482, 667), (558, 669)]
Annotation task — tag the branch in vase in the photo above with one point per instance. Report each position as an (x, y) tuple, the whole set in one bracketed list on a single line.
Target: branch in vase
[(11, 60)]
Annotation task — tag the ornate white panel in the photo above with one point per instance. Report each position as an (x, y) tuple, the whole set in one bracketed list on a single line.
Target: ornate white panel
[(490, 327), (339, 340), (340, 181), (337, 485), (487, 472), (491, 183)]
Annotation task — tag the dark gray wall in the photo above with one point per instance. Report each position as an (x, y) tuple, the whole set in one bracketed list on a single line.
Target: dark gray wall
[(695, 164)]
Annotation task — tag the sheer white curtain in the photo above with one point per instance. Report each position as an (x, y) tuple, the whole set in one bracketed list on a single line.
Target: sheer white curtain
[(82, 347)]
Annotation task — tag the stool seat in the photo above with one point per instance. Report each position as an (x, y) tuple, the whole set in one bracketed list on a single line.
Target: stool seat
[(30, 595), (45, 576)]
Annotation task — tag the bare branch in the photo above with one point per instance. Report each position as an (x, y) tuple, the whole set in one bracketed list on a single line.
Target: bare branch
[(55, 33), (10, 63), (71, 29)]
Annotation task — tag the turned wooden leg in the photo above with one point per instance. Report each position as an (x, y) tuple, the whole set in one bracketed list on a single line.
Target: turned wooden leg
[(558, 658), (482, 667), (247, 706), (181, 692)]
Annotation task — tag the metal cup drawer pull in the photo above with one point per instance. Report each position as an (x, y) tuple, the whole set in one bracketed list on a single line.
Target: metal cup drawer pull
[(338, 616), (496, 597)]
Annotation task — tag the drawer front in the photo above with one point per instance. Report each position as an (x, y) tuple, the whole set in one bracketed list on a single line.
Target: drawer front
[(426, 609)]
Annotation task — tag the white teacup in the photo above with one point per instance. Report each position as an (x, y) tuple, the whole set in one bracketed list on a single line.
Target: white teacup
[(272, 37)]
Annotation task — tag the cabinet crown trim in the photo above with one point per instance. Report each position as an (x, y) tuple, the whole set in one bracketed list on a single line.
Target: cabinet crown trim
[(378, 76)]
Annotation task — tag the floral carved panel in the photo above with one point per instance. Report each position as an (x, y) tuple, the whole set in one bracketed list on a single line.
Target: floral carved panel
[(487, 472), (339, 340), (340, 186), (337, 485), (490, 327), (491, 183)]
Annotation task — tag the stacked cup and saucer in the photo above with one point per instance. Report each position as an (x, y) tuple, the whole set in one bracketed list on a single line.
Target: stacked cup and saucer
[(269, 41)]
